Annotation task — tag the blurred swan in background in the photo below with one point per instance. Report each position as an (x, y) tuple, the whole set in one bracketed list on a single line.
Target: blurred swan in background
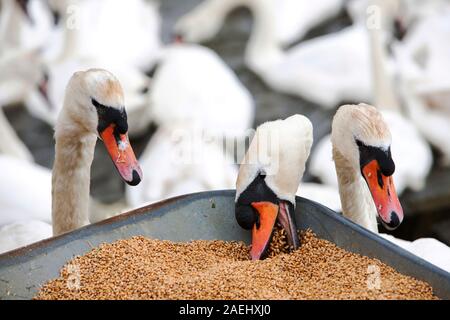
[(192, 85), (73, 54), (292, 18), (198, 104), (115, 31), (136, 85), (33, 201), (23, 233), (337, 64), (411, 153), (20, 74), (424, 60), (325, 195), (24, 27), (11, 143), (428, 249), (179, 160)]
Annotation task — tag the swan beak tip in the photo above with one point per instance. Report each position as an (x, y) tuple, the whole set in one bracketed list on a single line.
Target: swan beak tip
[(122, 155)]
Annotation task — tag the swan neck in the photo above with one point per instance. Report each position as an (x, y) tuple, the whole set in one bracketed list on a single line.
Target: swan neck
[(74, 153), (384, 94), (357, 203), (263, 49), (11, 20)]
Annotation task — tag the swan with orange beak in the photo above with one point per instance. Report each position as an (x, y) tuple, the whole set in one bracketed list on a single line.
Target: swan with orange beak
[(362, 155), (268, 180), (94, 107)]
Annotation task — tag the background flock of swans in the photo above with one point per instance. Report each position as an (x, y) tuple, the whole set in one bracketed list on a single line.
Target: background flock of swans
[(199, 105)]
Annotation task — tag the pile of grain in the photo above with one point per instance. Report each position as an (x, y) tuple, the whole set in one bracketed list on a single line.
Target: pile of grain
[(141, 268)]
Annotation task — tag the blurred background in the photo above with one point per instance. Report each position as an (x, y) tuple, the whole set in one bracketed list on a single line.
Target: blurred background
[(201, 68)]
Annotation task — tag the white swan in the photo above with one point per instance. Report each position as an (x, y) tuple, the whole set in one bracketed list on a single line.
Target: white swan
[(210, 105), (325, 195), (361, 143), (80, 42), (24, 28), (268, 179), (411, 152), (208, 94), (23, 233), (25, 191), (428, 249), (117, 32), (293, 18), (423, 57), (364, 165), (181, 160), (20, 73), (335, 64), (93, 107)]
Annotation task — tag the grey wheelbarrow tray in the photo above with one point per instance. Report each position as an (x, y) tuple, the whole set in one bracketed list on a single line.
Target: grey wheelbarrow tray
[(203, 216)]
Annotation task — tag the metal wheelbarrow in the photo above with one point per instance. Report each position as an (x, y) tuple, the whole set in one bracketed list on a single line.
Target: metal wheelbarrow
[(204, 216)]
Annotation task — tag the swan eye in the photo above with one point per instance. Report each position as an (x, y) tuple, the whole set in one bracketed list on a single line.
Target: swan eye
[(97, 104), (359, 143)]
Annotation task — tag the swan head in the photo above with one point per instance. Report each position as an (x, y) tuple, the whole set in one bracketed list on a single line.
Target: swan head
[(361, 136), (268, 180), (94, 103)]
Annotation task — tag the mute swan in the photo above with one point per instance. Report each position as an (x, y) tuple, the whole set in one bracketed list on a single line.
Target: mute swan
[(208, 94), (69, 60), (411, 152), (210, 104), (186, 162), (23, 233), (325, 195), (428, 249), (362, 156), (20, 199), (17, 31), (268, 179), (93, 107), (93, 31), (82, 46), (20, 73), (11, 143), (423, 57), (26, 204), (328, 63), (293, 18)]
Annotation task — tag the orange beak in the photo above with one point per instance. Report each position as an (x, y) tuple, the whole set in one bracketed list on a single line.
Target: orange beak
[(122, 155), (384, 195), (262, 233), (269, 213)]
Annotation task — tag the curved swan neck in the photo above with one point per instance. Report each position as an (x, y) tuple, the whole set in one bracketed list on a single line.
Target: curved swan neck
[(10, 24), (384, 94), (357, 204), (71, 175), (263, 49)]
